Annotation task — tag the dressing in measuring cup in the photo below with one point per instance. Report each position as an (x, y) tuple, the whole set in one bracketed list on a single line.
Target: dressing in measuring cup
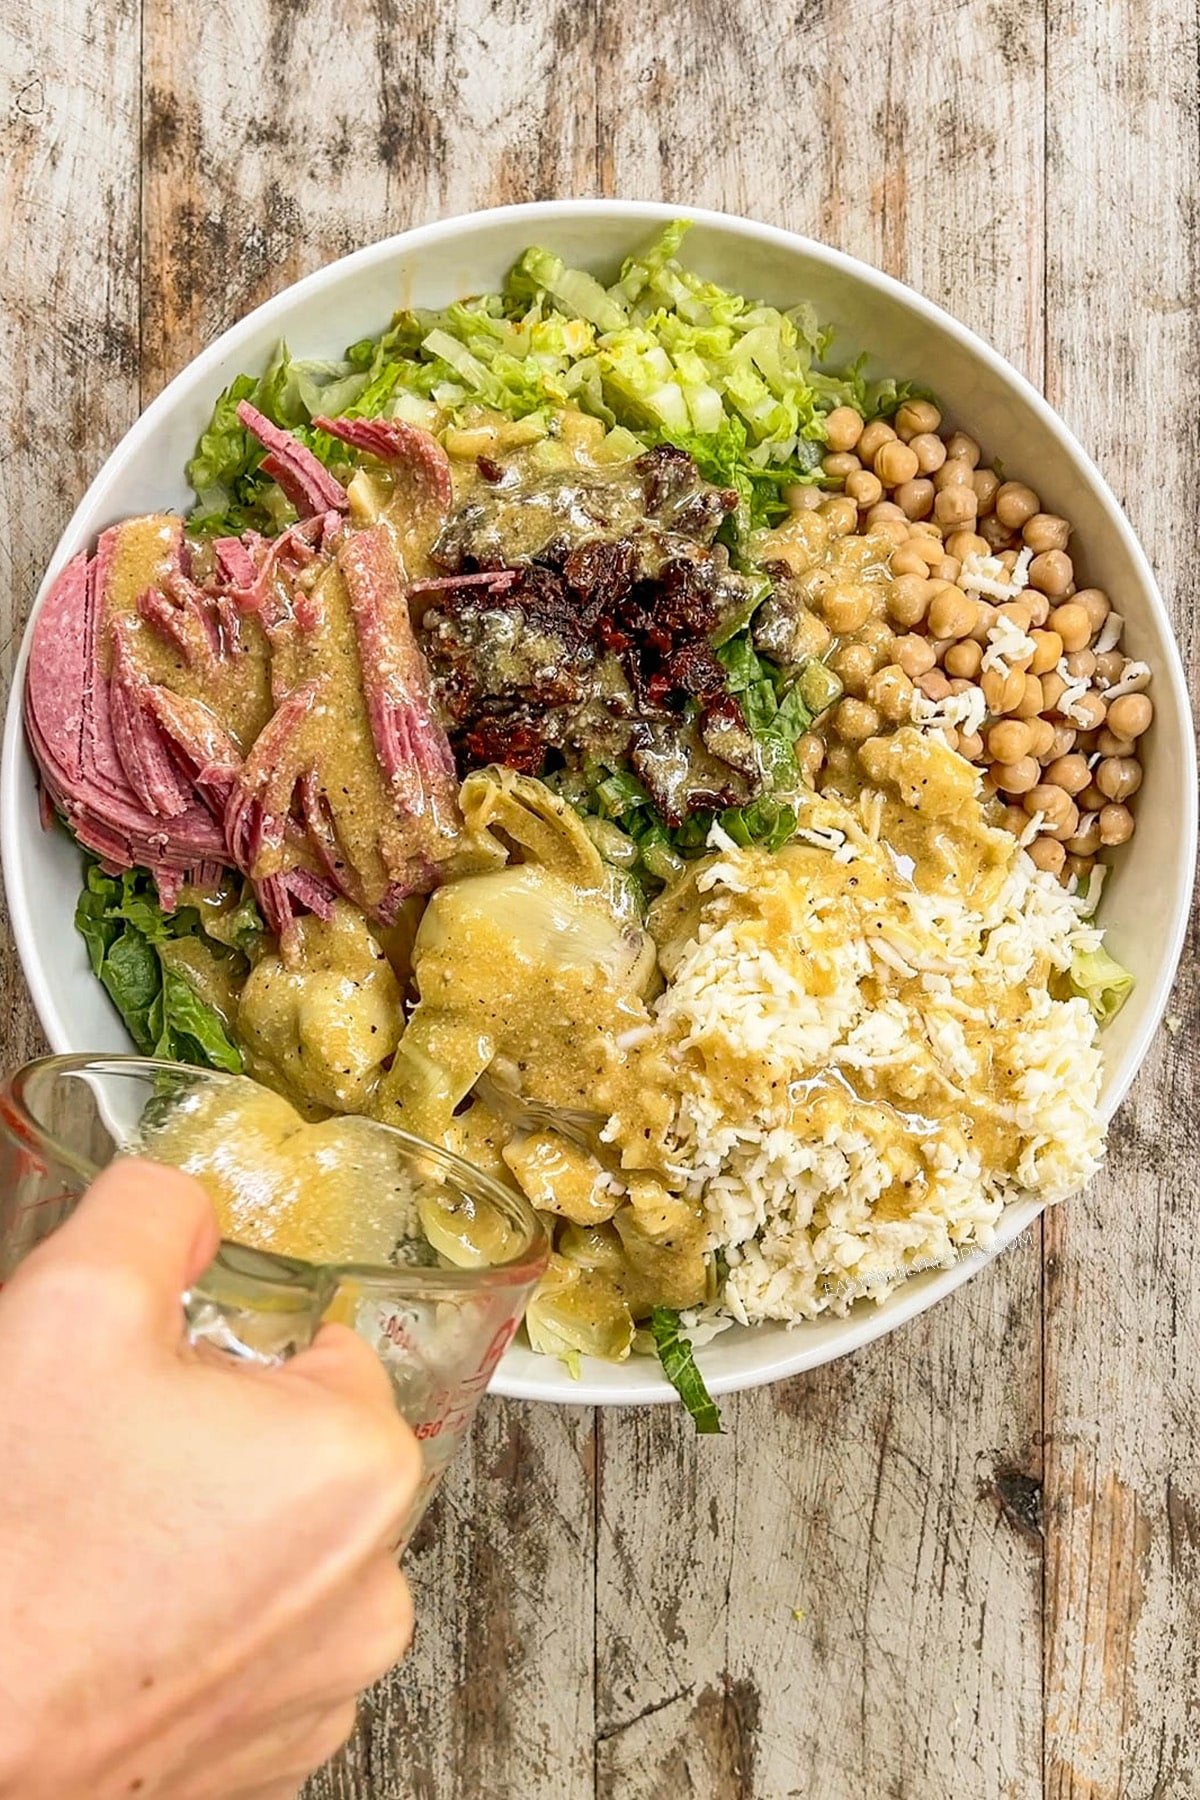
[(426, 1258)]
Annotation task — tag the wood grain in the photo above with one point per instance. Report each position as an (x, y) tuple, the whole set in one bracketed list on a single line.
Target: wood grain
[(965, 1562), (1122, 1493)]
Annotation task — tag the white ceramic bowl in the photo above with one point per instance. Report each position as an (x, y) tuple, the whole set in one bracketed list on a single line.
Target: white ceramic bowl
[(1147, 897)]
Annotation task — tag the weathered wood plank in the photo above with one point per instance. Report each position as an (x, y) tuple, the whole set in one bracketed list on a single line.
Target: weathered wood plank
[(69, 83), (1121, 1353), (299, 134), (892, 1502)]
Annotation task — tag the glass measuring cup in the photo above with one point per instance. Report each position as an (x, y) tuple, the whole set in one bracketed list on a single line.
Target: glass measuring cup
[(439, 1330)]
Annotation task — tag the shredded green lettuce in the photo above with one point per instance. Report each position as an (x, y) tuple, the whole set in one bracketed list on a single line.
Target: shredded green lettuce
[(679, 1366), (128, 938), (1099, 979), (660, 355)]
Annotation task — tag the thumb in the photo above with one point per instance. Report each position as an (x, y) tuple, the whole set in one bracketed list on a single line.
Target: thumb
[(151, 1225)]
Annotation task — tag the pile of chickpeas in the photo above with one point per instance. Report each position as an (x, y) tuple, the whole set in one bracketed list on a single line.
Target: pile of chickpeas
[(926, 492)]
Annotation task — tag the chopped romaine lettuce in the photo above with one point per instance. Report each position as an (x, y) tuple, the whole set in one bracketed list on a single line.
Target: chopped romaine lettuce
[(661, 355), (1100, 979), (679, 1366)]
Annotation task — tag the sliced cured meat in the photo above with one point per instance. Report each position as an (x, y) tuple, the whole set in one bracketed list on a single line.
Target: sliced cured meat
[(77, 740), (413, 750), (304, 479), (425, 463)]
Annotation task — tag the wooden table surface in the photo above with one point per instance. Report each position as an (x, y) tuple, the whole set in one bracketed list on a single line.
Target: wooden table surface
[(965, 1562)]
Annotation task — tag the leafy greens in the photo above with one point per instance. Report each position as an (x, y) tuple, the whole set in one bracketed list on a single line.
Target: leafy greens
[(661, 355), (679, 1366), (130, 942)]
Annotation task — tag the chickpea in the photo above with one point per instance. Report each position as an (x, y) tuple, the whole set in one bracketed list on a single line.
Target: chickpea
[(843, 428), (923, 542), (933, 685), (951, 614), (1055, 805), (965, 543), (964, 449), (907, 561), (915, 498), (841, 515), (855, 721), (895, 463), (1070, 773), (1053, 689), (948, 570), (1109, 744), (1130, 715), (952, 474), (864, 487), (891, 691), (987, 485), (1017, 777), (1081, 664), (1091, 799), (959, 683), (964, 659), (846, 608), (970, 745), (894, 530), (1015, 504), (1119, 777), (1116, 825), (803, 496), (1041, 737), (1080, 867), (997, 535), (1031, 701), (1048, 855), (929, 451), (1109, 664), (1086, 841), (984, 622), (810, 754), (1008, 742), (854, 666), (1095, 603), (840, 464), (879, 637), (1090, 711), (1052, 572), (884, 510), (1073, 625), (1045, 531), (1037, 606), (1048, 650), (873, 438), (914, 656), (1063, 741), (915, 418), (908, 600), (954, 506), (1014, 819), (950, 735), (1002, 692), (1017, 613)]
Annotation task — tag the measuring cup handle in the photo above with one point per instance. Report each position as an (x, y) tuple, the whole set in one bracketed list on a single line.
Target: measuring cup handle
[(257, 1308)]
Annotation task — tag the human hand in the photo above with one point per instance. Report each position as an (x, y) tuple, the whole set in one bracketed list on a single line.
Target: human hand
[(196, 1566)]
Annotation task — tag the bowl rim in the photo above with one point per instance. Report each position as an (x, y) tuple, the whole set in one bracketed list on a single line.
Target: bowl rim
[(556, 1386)]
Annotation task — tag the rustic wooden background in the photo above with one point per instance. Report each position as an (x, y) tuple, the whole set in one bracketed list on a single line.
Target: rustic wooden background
[(965, 1562)]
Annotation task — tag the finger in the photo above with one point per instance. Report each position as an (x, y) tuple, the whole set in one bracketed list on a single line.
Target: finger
[(379, 1445), (358, 1636), (341, 1363), (279, 1759), (141, 1235)]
